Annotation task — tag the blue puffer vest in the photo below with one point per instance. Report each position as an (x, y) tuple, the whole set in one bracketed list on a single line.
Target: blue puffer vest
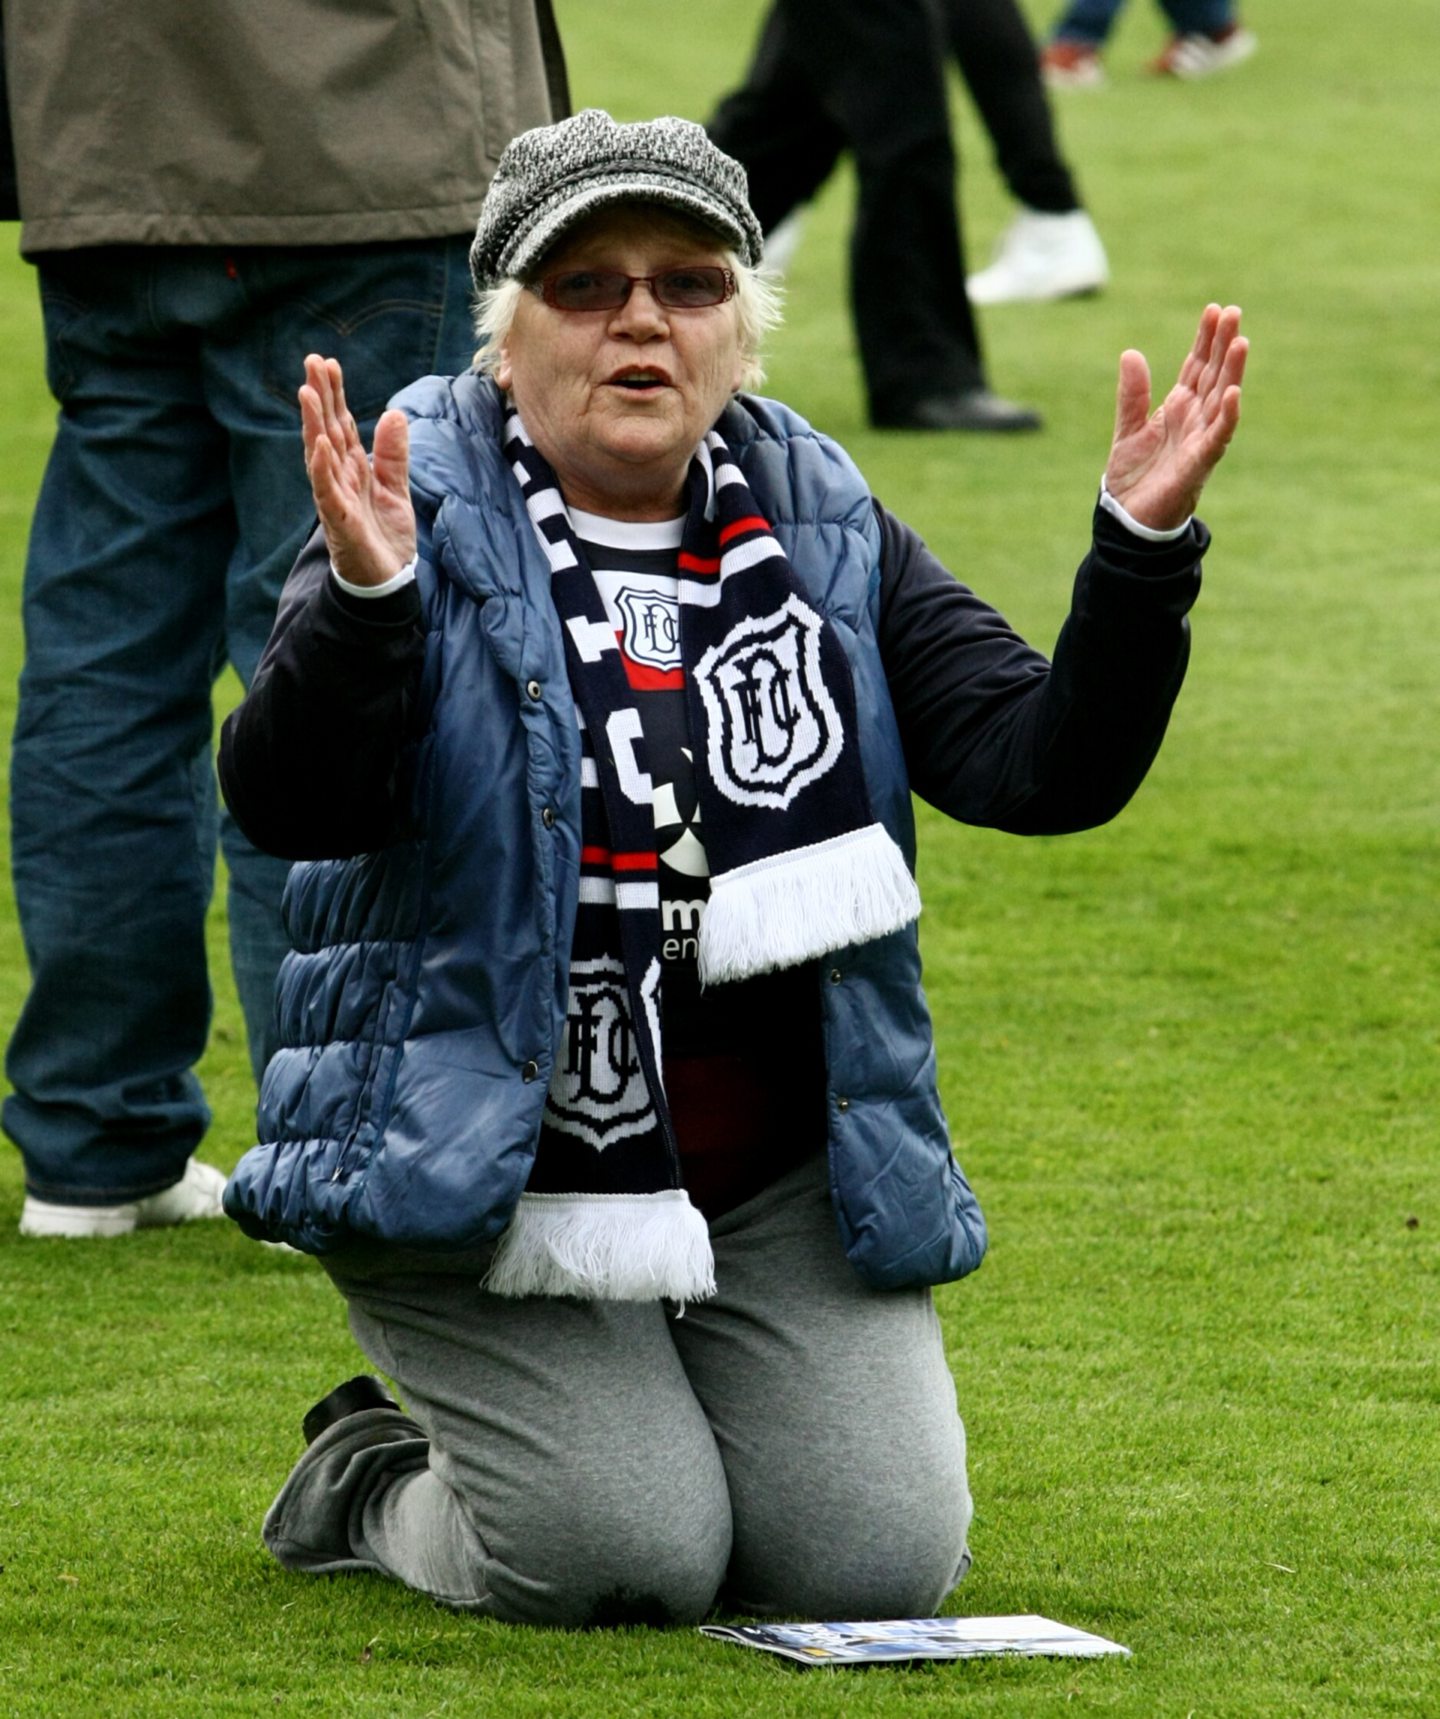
[(423, 1004)]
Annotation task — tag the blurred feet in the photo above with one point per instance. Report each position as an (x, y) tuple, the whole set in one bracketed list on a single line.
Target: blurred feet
[(195, 1195), (1076, 65), (964, 409), (1041, 257), (1071, 65), (1201, 56)]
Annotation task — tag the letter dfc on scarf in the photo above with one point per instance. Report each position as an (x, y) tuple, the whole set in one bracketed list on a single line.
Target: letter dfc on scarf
[(799, 867)]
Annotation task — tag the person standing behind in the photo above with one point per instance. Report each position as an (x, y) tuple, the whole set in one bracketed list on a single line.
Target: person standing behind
[(832, 75), (1051, 249), (1208, 37), (207, 195)]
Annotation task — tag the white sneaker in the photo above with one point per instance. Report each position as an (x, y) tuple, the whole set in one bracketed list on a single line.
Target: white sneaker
[(195, 1195), (782, 242), (1198, 56), (1042, 257)]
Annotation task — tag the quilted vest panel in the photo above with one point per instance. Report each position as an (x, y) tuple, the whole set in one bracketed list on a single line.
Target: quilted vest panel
[(423, 1004)]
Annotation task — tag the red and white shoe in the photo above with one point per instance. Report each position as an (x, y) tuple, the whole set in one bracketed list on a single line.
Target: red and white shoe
[(1200, 56), (1071, 65)]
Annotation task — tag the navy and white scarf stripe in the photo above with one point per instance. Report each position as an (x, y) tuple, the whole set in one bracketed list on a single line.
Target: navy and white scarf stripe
[(798, 867)]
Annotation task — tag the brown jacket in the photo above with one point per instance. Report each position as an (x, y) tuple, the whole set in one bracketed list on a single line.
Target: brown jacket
[(268, 122)]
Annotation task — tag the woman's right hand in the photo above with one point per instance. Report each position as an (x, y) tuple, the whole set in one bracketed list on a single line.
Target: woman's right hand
[(364, 505)]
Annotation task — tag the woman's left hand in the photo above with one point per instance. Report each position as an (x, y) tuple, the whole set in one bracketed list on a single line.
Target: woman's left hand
[(1159, 460)]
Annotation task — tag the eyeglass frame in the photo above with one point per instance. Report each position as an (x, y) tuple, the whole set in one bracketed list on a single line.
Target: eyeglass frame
[(543, 288)]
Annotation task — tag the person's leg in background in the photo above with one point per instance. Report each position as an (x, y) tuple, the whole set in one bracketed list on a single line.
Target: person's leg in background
[(1051, 249), (1089, 21), (1071, 56), (112, 810), (835, 1416), (390, 313), (776, 128), (1199, 17), (878, 78), (173, 507), (872, 79)]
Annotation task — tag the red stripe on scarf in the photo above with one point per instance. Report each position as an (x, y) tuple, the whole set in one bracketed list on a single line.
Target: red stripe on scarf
[(643, 679), (619, 862), (752, 522), (635, 862)]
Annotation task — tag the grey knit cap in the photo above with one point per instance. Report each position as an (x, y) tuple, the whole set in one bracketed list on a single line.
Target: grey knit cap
[(551, 177)]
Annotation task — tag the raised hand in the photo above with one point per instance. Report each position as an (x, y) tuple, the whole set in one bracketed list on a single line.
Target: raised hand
[(1159, 460), (364, 506)]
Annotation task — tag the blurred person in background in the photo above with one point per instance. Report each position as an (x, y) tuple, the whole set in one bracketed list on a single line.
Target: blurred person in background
[(835, 75), (202, 209), (1050, 249)]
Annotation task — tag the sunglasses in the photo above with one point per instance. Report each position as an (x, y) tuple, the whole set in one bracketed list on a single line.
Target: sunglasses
[(607, 289)]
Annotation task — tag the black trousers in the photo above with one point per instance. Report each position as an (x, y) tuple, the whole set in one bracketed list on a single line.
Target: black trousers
[(1000, 64), (867, 76)]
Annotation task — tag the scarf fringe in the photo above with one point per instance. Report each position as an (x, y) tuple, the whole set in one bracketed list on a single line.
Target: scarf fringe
[(790, 907), (605, 1247)]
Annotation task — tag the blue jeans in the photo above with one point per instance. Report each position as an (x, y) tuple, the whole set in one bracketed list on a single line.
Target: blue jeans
[(1090, 21), (173, 505)]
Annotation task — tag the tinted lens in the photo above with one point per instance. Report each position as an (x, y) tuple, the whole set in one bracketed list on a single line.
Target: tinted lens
[(587, 289), (691, 289), (608, 289)]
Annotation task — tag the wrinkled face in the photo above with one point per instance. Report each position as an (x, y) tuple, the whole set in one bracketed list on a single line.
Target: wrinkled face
[(617, 400)]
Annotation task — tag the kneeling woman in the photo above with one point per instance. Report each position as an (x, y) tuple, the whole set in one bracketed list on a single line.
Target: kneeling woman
[(607, 1095)]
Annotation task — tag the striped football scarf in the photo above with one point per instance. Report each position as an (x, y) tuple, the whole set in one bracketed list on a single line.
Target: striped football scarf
[(798, 868)]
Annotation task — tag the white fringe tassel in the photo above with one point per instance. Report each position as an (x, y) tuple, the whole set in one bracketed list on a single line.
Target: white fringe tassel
[(791, 907), (605, 1247)]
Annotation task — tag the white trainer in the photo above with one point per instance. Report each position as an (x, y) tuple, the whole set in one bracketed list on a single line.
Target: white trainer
[(195, 1195), (1041, 257), (782, 242)]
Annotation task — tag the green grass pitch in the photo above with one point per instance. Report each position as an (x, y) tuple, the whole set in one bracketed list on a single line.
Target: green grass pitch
[(1190, 1059)]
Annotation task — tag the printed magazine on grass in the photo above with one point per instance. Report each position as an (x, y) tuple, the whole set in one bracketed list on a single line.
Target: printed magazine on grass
[(902, 1639)]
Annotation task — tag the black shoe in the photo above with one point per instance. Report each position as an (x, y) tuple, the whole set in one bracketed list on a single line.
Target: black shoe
[(361, 1392), (965, 409)]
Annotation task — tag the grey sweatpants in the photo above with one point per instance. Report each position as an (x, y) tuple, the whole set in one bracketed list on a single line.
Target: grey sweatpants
[(791, 1447)]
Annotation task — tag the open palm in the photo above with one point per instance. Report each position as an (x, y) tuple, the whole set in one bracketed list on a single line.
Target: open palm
[(1159, 460), (364, 504)]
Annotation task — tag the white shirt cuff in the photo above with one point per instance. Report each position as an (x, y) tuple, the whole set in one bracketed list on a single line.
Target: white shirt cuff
[(406, 576), (1148, 532)]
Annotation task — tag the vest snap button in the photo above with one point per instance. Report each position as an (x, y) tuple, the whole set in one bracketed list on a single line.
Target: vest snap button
[(842, 1103), (835, 975), (547, 817), (530, 1071), (532, 689)]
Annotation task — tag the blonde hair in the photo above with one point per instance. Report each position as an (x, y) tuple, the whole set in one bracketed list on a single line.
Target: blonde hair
[(757, 311)]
